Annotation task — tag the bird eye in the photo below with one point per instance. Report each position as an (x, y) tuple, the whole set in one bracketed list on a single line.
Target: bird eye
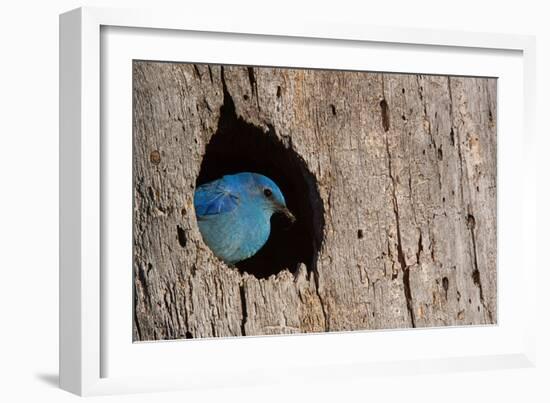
[(268, 192)]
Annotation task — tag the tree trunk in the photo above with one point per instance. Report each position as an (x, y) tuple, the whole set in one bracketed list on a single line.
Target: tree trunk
[(392, 178)]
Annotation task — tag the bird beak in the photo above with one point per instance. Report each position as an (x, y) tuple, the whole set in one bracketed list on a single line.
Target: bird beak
[(287, 214)]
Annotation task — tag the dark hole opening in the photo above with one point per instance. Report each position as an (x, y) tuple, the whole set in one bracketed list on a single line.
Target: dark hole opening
[(182, 238), (239, 146)]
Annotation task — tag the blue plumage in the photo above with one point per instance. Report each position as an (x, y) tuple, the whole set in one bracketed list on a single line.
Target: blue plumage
[(234, 212)]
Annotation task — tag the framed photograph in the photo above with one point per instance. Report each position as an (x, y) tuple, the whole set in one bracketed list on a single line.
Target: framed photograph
[(246, 203)]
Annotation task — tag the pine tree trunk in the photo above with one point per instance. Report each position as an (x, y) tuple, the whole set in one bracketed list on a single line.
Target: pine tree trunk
[(398, 219)]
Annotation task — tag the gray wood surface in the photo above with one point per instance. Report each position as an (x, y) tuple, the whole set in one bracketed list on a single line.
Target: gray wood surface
[(404, 229)]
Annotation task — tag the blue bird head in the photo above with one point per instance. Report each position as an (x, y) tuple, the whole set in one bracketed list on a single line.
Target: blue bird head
[(269, 195)]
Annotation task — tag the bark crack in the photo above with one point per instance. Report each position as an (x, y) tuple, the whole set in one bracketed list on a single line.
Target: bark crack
[(400, 255), (476, 276), (197, 72), (210, 74), (325, 316), (137, 324), (243, 308), (253, 85), (141, 279), (437, 150), (226, 95), (453, 133)]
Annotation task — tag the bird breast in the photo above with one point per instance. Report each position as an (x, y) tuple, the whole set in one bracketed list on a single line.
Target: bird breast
[(237, 235)]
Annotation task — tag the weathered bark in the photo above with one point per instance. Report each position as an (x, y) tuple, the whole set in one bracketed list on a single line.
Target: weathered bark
[(405, 169)]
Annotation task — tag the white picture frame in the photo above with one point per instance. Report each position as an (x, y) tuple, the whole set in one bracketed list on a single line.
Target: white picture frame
[(96, 356)]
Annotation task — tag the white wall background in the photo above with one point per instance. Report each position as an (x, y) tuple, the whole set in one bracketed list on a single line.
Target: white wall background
[(29, 198)]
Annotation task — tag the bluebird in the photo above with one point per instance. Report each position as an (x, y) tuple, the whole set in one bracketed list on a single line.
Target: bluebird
[(234, 214)]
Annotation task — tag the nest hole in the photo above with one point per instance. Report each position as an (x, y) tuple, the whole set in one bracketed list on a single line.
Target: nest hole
[(239, 146)]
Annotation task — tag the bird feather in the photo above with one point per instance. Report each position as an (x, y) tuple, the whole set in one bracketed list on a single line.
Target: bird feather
[(215, 198)]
